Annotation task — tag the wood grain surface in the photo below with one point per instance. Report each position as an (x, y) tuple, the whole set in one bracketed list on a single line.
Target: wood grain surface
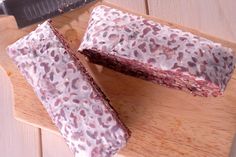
[(139, 6), (164, 122), (216, 17), (16, 139)]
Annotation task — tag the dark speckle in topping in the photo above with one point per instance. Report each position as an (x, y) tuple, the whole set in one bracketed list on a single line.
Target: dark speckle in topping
[(92, 125), (155, 29), (187, 51), (76, 101), (151, 60), (48, 45), (175, 66), (230, 65), (202, 68), (182, 38), (186, 34), (180, 56), (121, 40), (104, 34), (74, 82), (81, 147), (153, 47), (74, 120), (71, 66), (62, 113), (205, 62), (127, 29), (191, 64), (88, 37), (102, 124), (115, 128), (82, 113), (216, 82), (173, 35), (135, 53), (133, 35), (51, 76), (113, 37), (64, 74), (101, 42), (109, 119), (22, 51), (201, 53), (215, 58), (56, 58), (175, 48), (35, 53), (95, 152), (169, 43), (184, 69), (41, 36), (142, 47), (97, 110), (57, 102), (146, 30), (85, 88), (225, 58), (189, 44), (66, 84), (94, 96), (46, 67), (134, 43), (194, 59), (53, 53), (65, 98)]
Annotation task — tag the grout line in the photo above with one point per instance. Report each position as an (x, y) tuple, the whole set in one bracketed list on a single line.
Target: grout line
[(146, 6), (40, 144)]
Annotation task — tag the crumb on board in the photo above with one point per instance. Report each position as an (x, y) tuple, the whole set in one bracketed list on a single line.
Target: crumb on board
[(9, 73)]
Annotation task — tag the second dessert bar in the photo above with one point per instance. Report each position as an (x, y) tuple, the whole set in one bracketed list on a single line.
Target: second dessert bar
[(143, 48)]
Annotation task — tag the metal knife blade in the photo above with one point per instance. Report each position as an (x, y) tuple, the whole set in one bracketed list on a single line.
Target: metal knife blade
[(27, 12)]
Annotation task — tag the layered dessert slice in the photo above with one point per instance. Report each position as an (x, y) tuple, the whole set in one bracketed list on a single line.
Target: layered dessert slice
[(74, 102), (146, 49)]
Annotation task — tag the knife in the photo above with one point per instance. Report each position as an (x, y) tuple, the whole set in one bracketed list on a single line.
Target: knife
[(27, 12)]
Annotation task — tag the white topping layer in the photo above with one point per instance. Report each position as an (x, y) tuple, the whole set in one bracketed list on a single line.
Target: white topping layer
[(76, 106)]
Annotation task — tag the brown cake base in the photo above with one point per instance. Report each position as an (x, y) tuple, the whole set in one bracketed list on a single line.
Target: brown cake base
[(137, 69)]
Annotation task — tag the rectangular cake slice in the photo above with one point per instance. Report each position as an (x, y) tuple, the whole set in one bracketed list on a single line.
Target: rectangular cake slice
[(143, 48), (74, 102)]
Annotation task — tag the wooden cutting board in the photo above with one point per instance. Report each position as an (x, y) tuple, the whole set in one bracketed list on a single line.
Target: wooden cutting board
[(163, 121)]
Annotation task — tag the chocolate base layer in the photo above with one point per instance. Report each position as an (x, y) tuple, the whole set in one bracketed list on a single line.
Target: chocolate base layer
[(136, 69)]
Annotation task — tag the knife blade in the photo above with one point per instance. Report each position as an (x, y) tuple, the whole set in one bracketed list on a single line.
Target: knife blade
[(27, 12)]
